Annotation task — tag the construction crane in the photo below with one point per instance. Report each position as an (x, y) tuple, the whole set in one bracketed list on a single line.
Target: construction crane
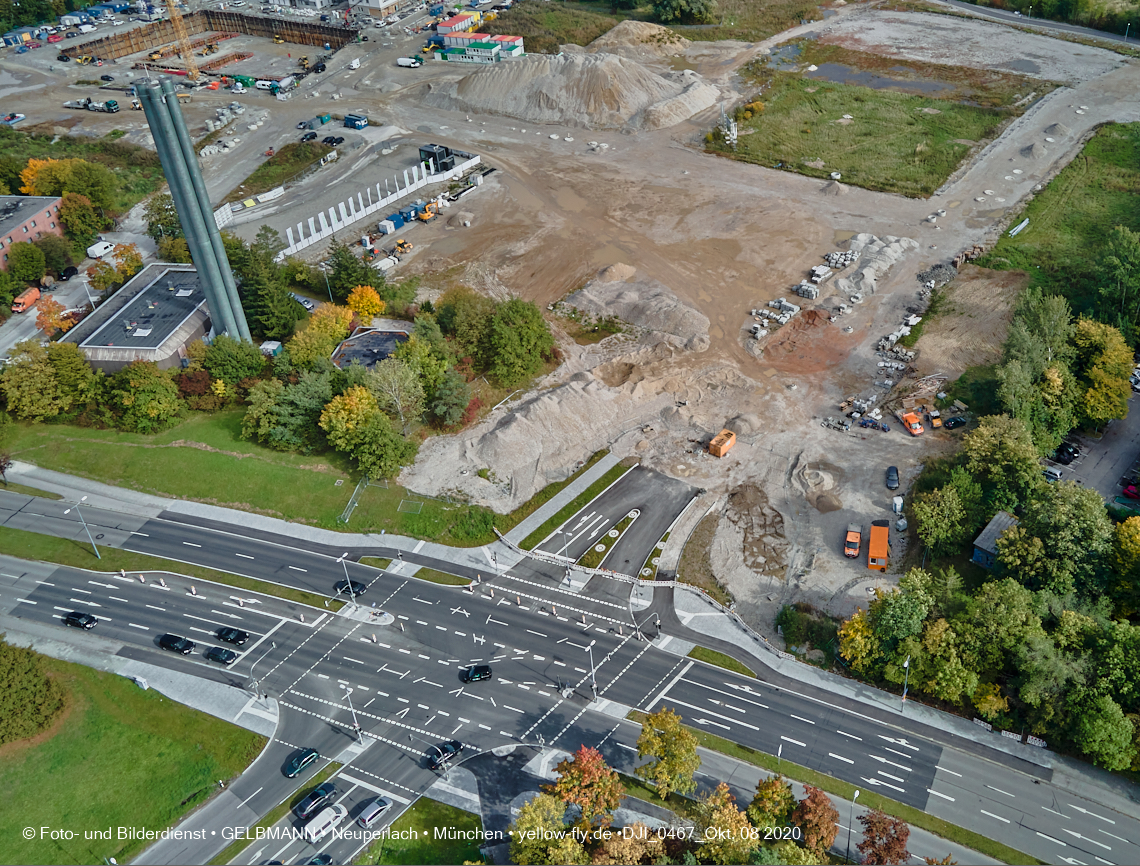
[(183, 42)]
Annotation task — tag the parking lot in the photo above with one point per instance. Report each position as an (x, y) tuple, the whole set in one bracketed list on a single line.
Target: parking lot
[(1107, 460)]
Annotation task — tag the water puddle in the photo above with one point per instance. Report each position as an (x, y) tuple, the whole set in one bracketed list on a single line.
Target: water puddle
[(841, 74), (1021, 65), (680, 64), (785, 57)]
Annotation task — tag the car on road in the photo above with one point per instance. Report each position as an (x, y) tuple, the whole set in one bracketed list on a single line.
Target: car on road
[(315, 799), (351, 587), (439, 756), (373, 811), (232, 635), (71, 35), (955, 422), (300, 761), (176, 644), (106, 77), (892, 478), (475, 673), (221, 655), (303, 301), (320, 860), (309, 136), (79, 619)]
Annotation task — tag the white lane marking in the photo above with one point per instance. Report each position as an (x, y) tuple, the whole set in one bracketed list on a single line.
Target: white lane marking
[(1086, 838), (243, 555), (104, 585), (155, 607), (852, 736), (191, 544), (790, 740), (937, 794), (354, 661), (136, 625), (670, 685), (532, 631), (1059, 814), (998, 817), (839, 757), (250, 797), (704, 711), (1051, 839), (882, 760), (84, 591), (40, 582), (889, 776), (1093, 814), (801, 718), (353, 780), (85, 601), (1117, 838), (951, 772), (26, 601), (1000, 791), (513, 709), (146, 535), (298, 568)]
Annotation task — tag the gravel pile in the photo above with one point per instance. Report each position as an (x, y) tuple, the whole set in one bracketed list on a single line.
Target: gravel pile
[(940, 275)]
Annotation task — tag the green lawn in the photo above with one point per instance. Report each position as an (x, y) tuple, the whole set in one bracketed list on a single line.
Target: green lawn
[(424, 818), (13, 487), (1070, 219), (720, 660), (120, 756), (284, 165), (571, 508)]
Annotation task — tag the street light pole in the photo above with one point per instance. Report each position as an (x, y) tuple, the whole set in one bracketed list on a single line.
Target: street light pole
[(850, 821), (327, 286), (355, 723), (86, 528), (252, 680), (906, 680), (593, 670), (347, 579)]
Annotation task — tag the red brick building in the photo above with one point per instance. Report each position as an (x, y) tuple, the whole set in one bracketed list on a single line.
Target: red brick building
[(25, 218)]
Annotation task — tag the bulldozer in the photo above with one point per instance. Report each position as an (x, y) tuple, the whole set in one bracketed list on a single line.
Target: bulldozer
[(402, 246), (277, 40), (211, 48)]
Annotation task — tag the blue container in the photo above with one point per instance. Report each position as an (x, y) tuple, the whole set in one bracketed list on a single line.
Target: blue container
[(397, 220)]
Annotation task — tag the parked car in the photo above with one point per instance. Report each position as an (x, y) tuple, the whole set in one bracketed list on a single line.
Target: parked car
[(309, 136), (63, 58), (1062, 457), (320, 67), (328, 139), (892, 478), (338, 141), (300, 761), (955, 422), (304, 124), (176, 644), (373, 811), (221, 655), (1131, 492), (475, 673), (233, 635), (78, 619), (307, 303), (315, 799), (68, 272), (1051, 475), (106, 77), (351, 587), (442, 754)]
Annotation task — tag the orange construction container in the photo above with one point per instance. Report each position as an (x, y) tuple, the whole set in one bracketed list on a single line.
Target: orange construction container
[(879, 545), (722, 443)]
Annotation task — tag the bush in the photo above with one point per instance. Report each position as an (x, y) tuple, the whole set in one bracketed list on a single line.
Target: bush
[(802, 623), (26, 262), (30, 700)]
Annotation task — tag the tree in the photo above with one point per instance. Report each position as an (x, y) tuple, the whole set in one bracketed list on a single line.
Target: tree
[(53, 177), (884, 838), (5, 465), (684, 11), (897, 615), (233, 360), (49, 315), (450, 399), (989, 701), (859, 643), (346, 414), (286, 417), (29, 383), (1022, 555), (1001, 455), (162, 218), (57, 253), (80, 220), (365, 302), (1104, 733), (517, 341), (636, 843), (817, 818), (673, 750), (398, 391), (129, 261), (1075, 532), (466, 317), (996, 622), (103, 276), (1047, 674), (1120, 267), (145, 398), (1104, 363), (30, 700), (174, 250), (347, 271), (588, 782), (1040, 334), (726, 835), (355, 425), (315, 342), (539, 834), (268, 307), (429, 365), (946, 676), (940, 519), (773, 804), (26, 262)]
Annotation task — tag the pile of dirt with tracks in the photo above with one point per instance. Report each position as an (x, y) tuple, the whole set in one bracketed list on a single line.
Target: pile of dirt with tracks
[(639, 40), (597, 91)]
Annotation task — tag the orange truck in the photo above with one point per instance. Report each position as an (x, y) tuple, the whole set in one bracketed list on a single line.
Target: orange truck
[(912, 424), (25, 300), (879, 545), (853, 540)]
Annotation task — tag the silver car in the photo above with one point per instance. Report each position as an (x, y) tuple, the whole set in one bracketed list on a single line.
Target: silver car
[(373, 811)]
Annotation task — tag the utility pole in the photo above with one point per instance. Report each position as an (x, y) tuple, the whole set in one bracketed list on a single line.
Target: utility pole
[(906, 680), (253, 681), (347, 580), (86, 528), (355, 723), (593, 670), (850, 821)]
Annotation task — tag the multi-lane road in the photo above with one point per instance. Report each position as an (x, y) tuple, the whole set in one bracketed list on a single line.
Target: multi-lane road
[(550, 647)]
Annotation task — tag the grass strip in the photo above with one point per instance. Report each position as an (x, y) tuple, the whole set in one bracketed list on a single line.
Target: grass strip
[(375, 562), (419, 824), (285, 164), (13, 487), (649, 567), (507, 522), (231, 851), (441, 577), (913, 816), (719, 659), (571, 508), (593, 558), (48, 548), (117, 756)]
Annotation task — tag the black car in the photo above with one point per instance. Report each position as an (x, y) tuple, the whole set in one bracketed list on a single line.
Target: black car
[(328, 139), (78, 619), (309, 136), (955, 422), (316, 798), (68, 272), (320, 67), (106, 77), (63, 58), (176, 644), (892, 478), (218, 654), (299, 761), (70, 34), (1069, 448), (233, 635), (475, 673), (351, 587), (338, 141), (320, 860), (442, 754), (1062, 457)]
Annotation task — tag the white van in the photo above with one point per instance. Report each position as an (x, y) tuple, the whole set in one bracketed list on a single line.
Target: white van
[(325, 822), (264, 85), (98, 250), (86, 28)]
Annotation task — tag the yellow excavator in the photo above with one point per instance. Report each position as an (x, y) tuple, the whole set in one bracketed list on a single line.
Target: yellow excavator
[(303, 62), (155, 56), (211, 48), (427, 213)]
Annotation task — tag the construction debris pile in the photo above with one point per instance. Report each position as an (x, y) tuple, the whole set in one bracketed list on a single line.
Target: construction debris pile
[(876, 255), (784, 310), (228, 115), (937, 276), (836, 261), (903, 330), (969, 255)]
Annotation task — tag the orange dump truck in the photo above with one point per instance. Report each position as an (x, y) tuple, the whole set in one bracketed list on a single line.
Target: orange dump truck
[(879, 545), (722, 443), (25, 300)]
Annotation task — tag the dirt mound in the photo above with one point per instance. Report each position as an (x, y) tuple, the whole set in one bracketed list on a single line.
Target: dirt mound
[(762, 527), (617, 273), (646, 304), (745, 425), (592, 90), (878, 255), (1057, 129), (833, 188), (640, 38), (820, 485), (1034, 151), (463, 219)]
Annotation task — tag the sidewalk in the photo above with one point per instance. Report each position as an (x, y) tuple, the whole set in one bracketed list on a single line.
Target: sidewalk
[(565, 495)]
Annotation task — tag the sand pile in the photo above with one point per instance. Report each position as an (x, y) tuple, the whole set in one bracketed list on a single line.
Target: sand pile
[(645, 304), (1057, 129), (878, 256), (833, 188), (639, 40), (592, 90), (1034, 151)]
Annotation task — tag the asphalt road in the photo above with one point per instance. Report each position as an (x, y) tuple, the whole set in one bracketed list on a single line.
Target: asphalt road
[(1043, 23)]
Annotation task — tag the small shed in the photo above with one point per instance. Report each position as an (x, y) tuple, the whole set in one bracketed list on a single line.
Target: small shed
[(722, 443), (985, 545)]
